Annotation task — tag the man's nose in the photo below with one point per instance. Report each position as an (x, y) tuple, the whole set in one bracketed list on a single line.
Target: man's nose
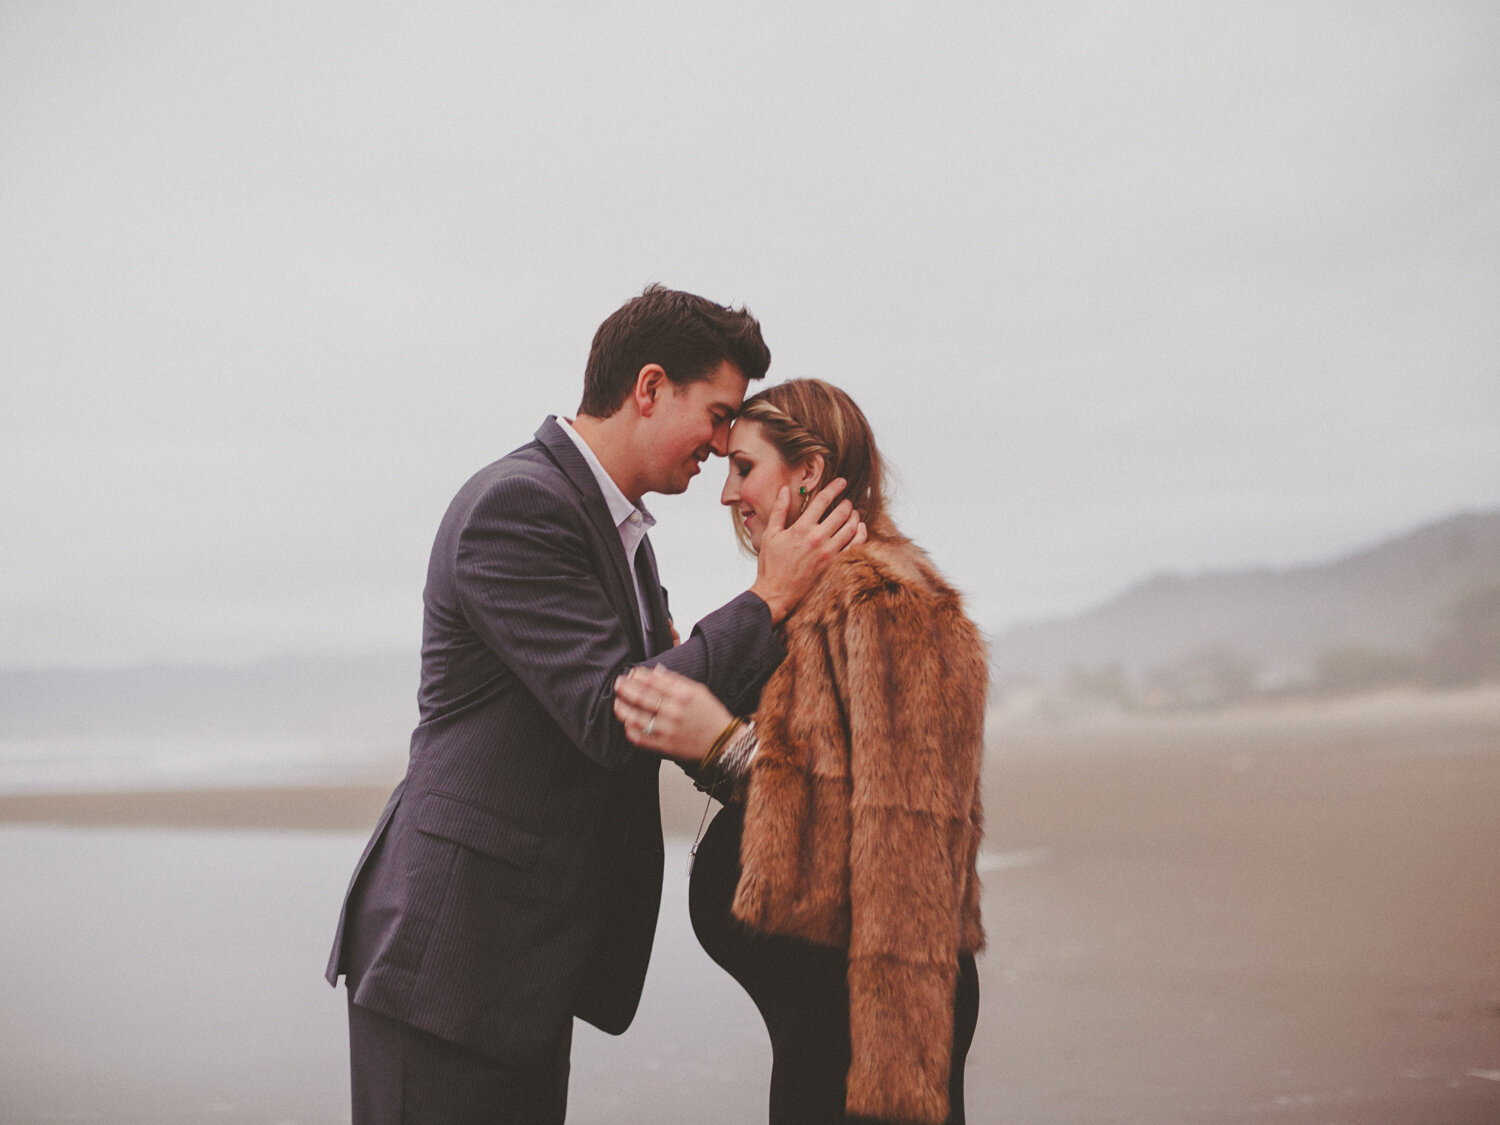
[(720, 444)]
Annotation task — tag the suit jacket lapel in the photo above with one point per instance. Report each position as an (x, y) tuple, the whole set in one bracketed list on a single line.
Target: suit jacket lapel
[(661, 620), (566, 454)]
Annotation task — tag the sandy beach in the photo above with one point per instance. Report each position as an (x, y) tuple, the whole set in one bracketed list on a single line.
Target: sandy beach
[(1287, 915)]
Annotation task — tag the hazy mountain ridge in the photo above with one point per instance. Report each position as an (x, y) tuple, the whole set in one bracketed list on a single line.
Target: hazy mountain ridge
[(1378, 614), (1387, 612)]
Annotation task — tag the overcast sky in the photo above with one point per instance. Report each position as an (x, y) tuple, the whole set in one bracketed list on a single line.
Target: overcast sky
[(1124, 288)]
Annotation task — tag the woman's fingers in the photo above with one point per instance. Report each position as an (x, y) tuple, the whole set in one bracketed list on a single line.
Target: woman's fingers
[(644, 725), (632, 718), (636, 688), (642, 684), (649, 703), (668, 713)]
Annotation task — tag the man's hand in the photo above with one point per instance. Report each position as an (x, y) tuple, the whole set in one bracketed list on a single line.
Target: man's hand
[(793, 558)]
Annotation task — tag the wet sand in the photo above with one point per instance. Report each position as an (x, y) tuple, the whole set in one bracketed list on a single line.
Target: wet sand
[(1286, 916), (1289, 917)]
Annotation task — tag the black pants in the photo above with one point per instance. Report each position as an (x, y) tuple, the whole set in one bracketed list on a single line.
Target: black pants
[(402, 1076), (802, 992)]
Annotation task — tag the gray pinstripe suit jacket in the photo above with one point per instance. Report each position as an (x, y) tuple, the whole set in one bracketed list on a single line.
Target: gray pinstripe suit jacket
[(514, 878)]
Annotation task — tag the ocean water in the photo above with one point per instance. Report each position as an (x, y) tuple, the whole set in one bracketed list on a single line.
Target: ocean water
[(62, 763), (284, 721)]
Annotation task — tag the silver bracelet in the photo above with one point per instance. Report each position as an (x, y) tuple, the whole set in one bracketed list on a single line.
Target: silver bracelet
[(734, 760)]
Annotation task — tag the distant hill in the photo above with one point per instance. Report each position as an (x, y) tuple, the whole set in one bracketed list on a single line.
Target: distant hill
[(1422, 607)]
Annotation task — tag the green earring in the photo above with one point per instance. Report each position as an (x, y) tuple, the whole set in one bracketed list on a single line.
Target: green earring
[(802, 491)]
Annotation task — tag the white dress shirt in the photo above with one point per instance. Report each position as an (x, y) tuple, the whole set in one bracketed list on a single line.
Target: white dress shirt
[(631, 521)]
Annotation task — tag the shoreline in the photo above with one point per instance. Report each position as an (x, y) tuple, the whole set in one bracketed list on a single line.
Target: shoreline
[(1460, 722), (304, 807)]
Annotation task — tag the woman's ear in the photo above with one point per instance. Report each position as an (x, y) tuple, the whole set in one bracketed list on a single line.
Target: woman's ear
[(810, 475)]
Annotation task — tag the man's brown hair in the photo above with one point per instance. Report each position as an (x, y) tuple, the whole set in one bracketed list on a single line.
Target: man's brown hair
[(687, 335)]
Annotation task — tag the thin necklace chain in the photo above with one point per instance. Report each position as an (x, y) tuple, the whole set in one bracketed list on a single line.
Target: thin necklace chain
[(698, 839)]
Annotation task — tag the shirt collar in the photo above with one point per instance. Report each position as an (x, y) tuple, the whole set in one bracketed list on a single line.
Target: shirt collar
[(620, 508)]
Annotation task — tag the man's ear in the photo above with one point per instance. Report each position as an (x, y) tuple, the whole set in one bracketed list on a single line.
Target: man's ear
[(650, 384), (810, 475)]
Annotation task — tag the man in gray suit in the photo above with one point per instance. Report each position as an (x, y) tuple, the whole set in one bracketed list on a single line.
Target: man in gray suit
[(514, 878)]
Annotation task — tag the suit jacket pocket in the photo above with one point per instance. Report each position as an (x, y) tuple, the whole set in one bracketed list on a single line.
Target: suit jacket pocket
[(478, 829)]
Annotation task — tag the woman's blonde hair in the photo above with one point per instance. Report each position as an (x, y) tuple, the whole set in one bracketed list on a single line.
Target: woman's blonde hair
[(804, 417)]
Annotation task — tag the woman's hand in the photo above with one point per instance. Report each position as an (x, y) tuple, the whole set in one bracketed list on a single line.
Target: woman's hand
[(669, 714)]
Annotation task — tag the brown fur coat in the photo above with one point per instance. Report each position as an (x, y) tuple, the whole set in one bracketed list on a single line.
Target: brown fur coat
[(862, 820)]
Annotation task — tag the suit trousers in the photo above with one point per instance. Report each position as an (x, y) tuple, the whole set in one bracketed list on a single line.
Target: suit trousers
[(403, 1076)]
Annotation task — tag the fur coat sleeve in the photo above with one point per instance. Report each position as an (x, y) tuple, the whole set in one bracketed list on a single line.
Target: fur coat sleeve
[(863, 817)]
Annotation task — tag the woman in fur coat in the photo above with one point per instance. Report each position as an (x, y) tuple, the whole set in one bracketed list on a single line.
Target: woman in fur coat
[(838, 883)]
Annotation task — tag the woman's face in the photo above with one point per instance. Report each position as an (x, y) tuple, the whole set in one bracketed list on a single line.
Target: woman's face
[(756, 474)]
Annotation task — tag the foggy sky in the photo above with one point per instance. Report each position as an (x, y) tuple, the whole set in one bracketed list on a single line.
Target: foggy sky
[(1123, 288)]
